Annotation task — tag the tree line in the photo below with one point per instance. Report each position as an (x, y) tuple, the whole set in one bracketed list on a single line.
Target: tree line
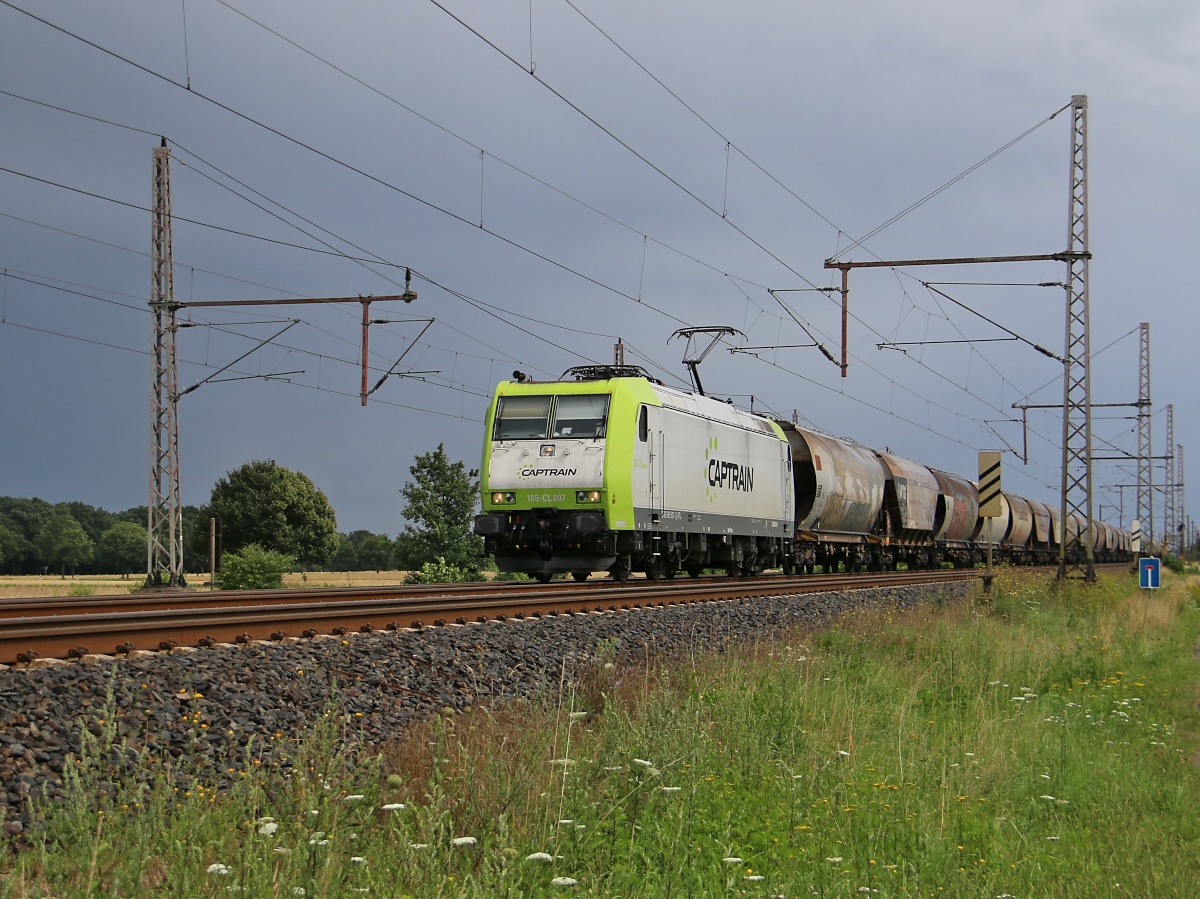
[(262, 506)]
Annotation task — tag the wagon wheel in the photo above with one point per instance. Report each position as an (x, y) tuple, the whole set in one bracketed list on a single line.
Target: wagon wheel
[(581, 575), (695, 570), (620, 570), (543, 577)]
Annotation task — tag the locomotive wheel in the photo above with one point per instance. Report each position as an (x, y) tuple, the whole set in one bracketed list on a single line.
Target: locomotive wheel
[(543, 577), (670, 573), (695, 571), (581, 575), (620, 570), (654, 570)]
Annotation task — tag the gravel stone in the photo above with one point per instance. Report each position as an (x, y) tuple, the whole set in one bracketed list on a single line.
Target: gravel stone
[(206, 710)]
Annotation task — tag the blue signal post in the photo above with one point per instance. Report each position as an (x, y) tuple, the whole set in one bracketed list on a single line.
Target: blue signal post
[(1149, 573)]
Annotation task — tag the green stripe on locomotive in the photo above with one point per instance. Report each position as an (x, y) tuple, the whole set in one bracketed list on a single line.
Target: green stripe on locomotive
[(626, 397)]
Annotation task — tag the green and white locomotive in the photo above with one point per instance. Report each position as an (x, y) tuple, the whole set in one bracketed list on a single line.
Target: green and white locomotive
[(610, 470)]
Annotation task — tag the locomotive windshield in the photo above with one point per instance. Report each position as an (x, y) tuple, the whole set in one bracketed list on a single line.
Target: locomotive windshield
[(528, 417), (580, 416), (522, 417)]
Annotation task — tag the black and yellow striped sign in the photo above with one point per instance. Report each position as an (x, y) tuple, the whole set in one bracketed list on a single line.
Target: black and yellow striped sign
[(989, 485)]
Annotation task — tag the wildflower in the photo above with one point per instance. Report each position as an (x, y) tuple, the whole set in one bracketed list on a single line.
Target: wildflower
[(219, 869), (539, 857), (1043, 796), (280, 850), (654, 772), (754, 877), (265, 821), (843, 753), (463, 841), (268, 829), (356, 797), (357, 860), (312, 812), (643, 763), (578, 716), (732, 860), (318, 842), (418, 846), (318, 835), (671, 789), (1052, 839), (564, 881), (1044, 776), (581, 827), (1062, 802), (299, 891), (614, 768), (562, 762), (393, 806), (834, 859)]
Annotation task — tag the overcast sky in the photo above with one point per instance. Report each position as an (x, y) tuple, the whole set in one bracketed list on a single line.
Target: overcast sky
[(608, 209)]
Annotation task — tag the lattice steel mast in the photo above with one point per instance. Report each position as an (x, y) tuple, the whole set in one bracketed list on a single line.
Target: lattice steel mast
[(1145, 465), (1077, 370), (164, 521), (1179, 505), (1169, 520)]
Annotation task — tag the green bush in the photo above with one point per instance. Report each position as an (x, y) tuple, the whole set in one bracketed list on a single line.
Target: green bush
[(438, 573), (1174, 563), (254, 568), (80, 590)]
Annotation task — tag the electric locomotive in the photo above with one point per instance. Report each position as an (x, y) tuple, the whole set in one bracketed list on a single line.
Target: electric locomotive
[(608, 469)]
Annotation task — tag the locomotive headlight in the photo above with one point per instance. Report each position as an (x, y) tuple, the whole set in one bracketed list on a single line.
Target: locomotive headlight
[(497, 498), (587, 496), (500, 499)]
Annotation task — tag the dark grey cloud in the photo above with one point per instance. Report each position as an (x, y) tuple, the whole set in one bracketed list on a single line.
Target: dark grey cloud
[(859, 108)]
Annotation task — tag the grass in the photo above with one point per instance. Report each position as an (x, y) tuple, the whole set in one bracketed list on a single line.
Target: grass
[(1038, 746)]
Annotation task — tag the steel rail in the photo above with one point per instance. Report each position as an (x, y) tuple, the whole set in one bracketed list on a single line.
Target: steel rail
[(253, 616)]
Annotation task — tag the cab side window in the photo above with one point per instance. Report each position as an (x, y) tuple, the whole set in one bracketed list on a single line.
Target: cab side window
[(643, 426)]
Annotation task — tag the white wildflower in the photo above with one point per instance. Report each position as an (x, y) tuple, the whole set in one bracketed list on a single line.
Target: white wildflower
[(1052, 839), (969, 754), (562, 762), (754, 877), (843, 753), (353, 798), (357, 860), (393, 806), (732, 860), (265, 821), (993, 683), (418, 845), (1018, 699), (539, 857), (318, 835), (834, 859), (312, 813), (1044, 796), (1044, 776), (268, 829), (318, 842), (671, 789), (578, 716), (581, 827), (564, 881), (566, 821), (281, 850), (463, 841), (609, 666), (299, 891), (219, 869), (1062, 801), (614, 768), (643, 763)]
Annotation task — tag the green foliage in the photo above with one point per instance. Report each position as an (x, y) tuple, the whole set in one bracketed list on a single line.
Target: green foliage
[(122, 547), (11, 546), (63, 542), (80, 590), (363, 551), (441, 500), (254, 568), (278, 509), (438, 573), (1174, 563)]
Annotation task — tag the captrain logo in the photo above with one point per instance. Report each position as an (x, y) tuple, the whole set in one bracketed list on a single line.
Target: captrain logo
[(730, 475), (553, 472)]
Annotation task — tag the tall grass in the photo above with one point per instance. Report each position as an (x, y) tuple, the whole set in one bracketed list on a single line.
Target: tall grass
[(1040, 745)]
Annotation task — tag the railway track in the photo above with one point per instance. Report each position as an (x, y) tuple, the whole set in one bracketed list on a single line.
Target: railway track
[(73, 626)]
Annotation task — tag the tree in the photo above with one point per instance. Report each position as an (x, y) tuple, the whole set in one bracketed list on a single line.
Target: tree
[(122, 548), (441, 502), (254, 568), (11, 547), (64, 542), (278, 509)]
